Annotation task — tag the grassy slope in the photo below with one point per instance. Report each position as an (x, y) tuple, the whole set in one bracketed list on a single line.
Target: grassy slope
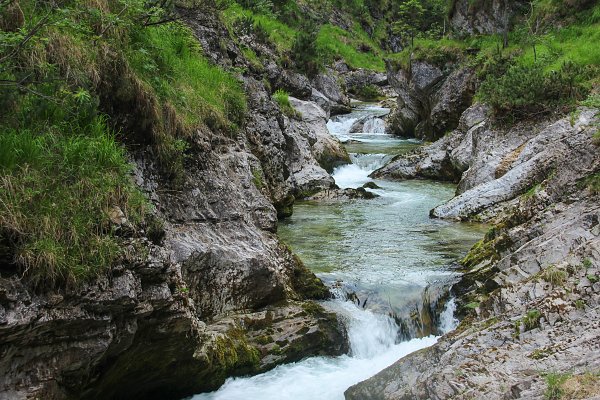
[(62, 171)]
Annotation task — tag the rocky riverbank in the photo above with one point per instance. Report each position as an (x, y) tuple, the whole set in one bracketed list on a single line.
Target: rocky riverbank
[(529, 295)]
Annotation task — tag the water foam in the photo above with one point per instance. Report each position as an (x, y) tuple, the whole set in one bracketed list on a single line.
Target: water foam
[(373, 348)]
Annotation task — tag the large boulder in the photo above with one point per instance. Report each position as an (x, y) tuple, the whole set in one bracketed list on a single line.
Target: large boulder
[(430, 100), (327, 149), (329, 83)]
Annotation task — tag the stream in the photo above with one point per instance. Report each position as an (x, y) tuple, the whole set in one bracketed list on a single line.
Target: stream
[(383, 258)]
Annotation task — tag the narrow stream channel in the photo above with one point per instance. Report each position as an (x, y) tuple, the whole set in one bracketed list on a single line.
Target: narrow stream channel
[(385, 251)]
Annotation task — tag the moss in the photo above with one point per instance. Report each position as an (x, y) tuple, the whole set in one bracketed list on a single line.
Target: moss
[(257, 178), (306, 284), (231, 355), (483, 250)]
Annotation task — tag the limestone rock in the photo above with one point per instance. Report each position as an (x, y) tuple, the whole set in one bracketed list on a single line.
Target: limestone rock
[(327, 149)]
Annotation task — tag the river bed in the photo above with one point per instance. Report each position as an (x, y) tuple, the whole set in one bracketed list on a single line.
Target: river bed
[(385, 251)]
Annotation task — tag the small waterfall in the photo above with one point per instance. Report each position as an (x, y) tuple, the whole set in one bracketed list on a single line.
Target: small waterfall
[(374, 346)]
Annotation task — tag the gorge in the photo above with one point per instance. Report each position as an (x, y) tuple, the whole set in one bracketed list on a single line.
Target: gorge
[(392, 199)]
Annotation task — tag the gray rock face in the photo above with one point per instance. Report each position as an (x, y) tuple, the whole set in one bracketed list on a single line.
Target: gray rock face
[(429, 102), (327, 149), (489, 17), (509, 163), (445, 159), (329, 84), (284, 148), (534, 280)]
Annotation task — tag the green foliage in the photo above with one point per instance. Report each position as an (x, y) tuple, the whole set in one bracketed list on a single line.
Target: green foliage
[(257, 178), (168, 58), (354, 47), (62, 171), (526, 90), (304, 50), (554, 276), (367, 93), (531, 320), (409, 15), (554, 382), (57, 187), (282, 98)]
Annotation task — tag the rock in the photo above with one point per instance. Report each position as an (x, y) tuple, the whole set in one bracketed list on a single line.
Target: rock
[(491, 17), (508, 163), (429, 102), (536, 308), (295, 84), (322, 101), (147, 327), (370, 124), (327, 149), (328, 83), (284, 148), (356, 81), (334, 195)]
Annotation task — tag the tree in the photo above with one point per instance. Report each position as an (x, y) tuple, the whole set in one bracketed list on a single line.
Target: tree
[(410, 14)]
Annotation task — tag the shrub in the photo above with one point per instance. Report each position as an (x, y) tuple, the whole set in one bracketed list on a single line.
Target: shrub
[(367, 93), (304, 50), (526, 90)]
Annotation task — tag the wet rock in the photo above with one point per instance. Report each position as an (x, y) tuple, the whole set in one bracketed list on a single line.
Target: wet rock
[(342, 195)]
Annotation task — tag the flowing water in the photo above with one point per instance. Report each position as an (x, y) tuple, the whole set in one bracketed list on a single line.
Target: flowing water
[(385, 253)]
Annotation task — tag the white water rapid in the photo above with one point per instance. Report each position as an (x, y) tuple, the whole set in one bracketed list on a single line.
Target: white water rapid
[(370, 261), (373, 348)]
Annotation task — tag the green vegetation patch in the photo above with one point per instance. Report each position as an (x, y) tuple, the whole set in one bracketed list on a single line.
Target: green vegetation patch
[(78, 79), (57, 190)]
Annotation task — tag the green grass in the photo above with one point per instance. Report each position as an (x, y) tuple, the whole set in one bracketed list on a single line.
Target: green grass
[(435, 51), (335, 43), (281, 35), (554, 382), (56, 189), (63, 168), (168, 58), (282, 98), (531, 320)]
